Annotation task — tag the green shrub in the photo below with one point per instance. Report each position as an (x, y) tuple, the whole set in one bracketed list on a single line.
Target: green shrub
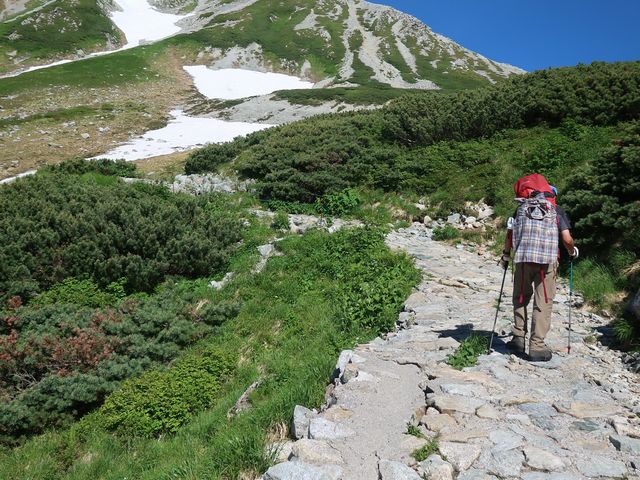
[(448, 232), (54, 226), (83, 293), (159, 402), (79, 166), (604, 197), (338, 204), (59, 361), (466, 355)]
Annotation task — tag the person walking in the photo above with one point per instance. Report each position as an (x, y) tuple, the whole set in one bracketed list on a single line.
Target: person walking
[(534, 234)]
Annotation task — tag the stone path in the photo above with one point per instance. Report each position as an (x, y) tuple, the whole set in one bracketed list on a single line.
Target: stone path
[(574, 417)]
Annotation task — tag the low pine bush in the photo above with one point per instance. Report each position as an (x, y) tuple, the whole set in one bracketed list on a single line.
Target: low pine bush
[(160, 401)]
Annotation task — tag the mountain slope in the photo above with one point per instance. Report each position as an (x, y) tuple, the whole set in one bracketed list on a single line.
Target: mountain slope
[(367, 53)]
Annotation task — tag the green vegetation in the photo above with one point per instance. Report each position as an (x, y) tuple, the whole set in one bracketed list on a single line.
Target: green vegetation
[(422, 453), (292, 321), (423, 143), (365, 95), (448, 232), (414, 431), (95, 227), (466, 355), (57, 29)]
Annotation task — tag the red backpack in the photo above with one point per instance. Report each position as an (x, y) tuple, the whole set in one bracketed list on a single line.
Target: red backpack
[(531, 185)]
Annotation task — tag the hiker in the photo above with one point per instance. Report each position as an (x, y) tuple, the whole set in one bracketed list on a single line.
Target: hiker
[(534, 235)]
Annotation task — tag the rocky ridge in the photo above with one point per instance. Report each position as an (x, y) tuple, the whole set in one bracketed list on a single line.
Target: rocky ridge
[(574, 417)]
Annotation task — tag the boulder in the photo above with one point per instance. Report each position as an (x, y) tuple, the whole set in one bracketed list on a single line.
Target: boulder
[(542, 460), (625, 444), (460, 455), (396, 471), (435, 468), (455, 403), (300, 422), (454, 219), (302, 471), (597, 466), (321, 429), (315, 452)]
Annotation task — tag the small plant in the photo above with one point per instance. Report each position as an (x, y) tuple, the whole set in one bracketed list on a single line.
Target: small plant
[(415, 431), (448, 232), (468, 352), (422, 453), (280, 221)]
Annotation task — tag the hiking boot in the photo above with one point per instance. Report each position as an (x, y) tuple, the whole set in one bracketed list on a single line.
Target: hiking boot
[(540, 355), (516, 344)]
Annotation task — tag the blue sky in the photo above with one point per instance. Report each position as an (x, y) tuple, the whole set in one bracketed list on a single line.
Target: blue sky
[(534, 34)]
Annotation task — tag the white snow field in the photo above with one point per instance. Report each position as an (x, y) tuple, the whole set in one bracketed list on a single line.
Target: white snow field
[(232, 83), (184, 132), (139, 22)]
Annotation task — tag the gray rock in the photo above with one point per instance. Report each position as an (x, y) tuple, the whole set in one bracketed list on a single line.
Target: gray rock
[(438, 422), (350, 372), (455, 403), (302, 471), (396, 471), (300, 422), (545, 423), (506, 463), (598, 466), (321, 429), (470, 220), (625, 444), (316, 452), (464, 389), (474, 474), (505, 440), (435, 468), (343, 360), (586, 426), (460, 455), (550, 476), (538, 409), (453, 219), (266, 250), (542, 460), (487, 411)]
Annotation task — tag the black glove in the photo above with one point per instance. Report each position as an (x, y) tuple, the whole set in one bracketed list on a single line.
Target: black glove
[(504, 260)]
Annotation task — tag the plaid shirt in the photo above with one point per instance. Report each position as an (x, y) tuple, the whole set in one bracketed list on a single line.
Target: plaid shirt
[(535, 232)]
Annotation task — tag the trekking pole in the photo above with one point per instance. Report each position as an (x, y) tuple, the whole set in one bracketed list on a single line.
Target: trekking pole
[(495, 320), (570, 302)]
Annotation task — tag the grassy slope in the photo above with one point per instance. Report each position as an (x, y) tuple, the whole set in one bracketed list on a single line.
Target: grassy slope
[(57, 30), (288, 332)]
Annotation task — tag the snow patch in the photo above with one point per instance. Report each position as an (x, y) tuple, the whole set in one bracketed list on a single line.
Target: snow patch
[(231, 84), (141, 23), (12, 179), (182, 133)]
